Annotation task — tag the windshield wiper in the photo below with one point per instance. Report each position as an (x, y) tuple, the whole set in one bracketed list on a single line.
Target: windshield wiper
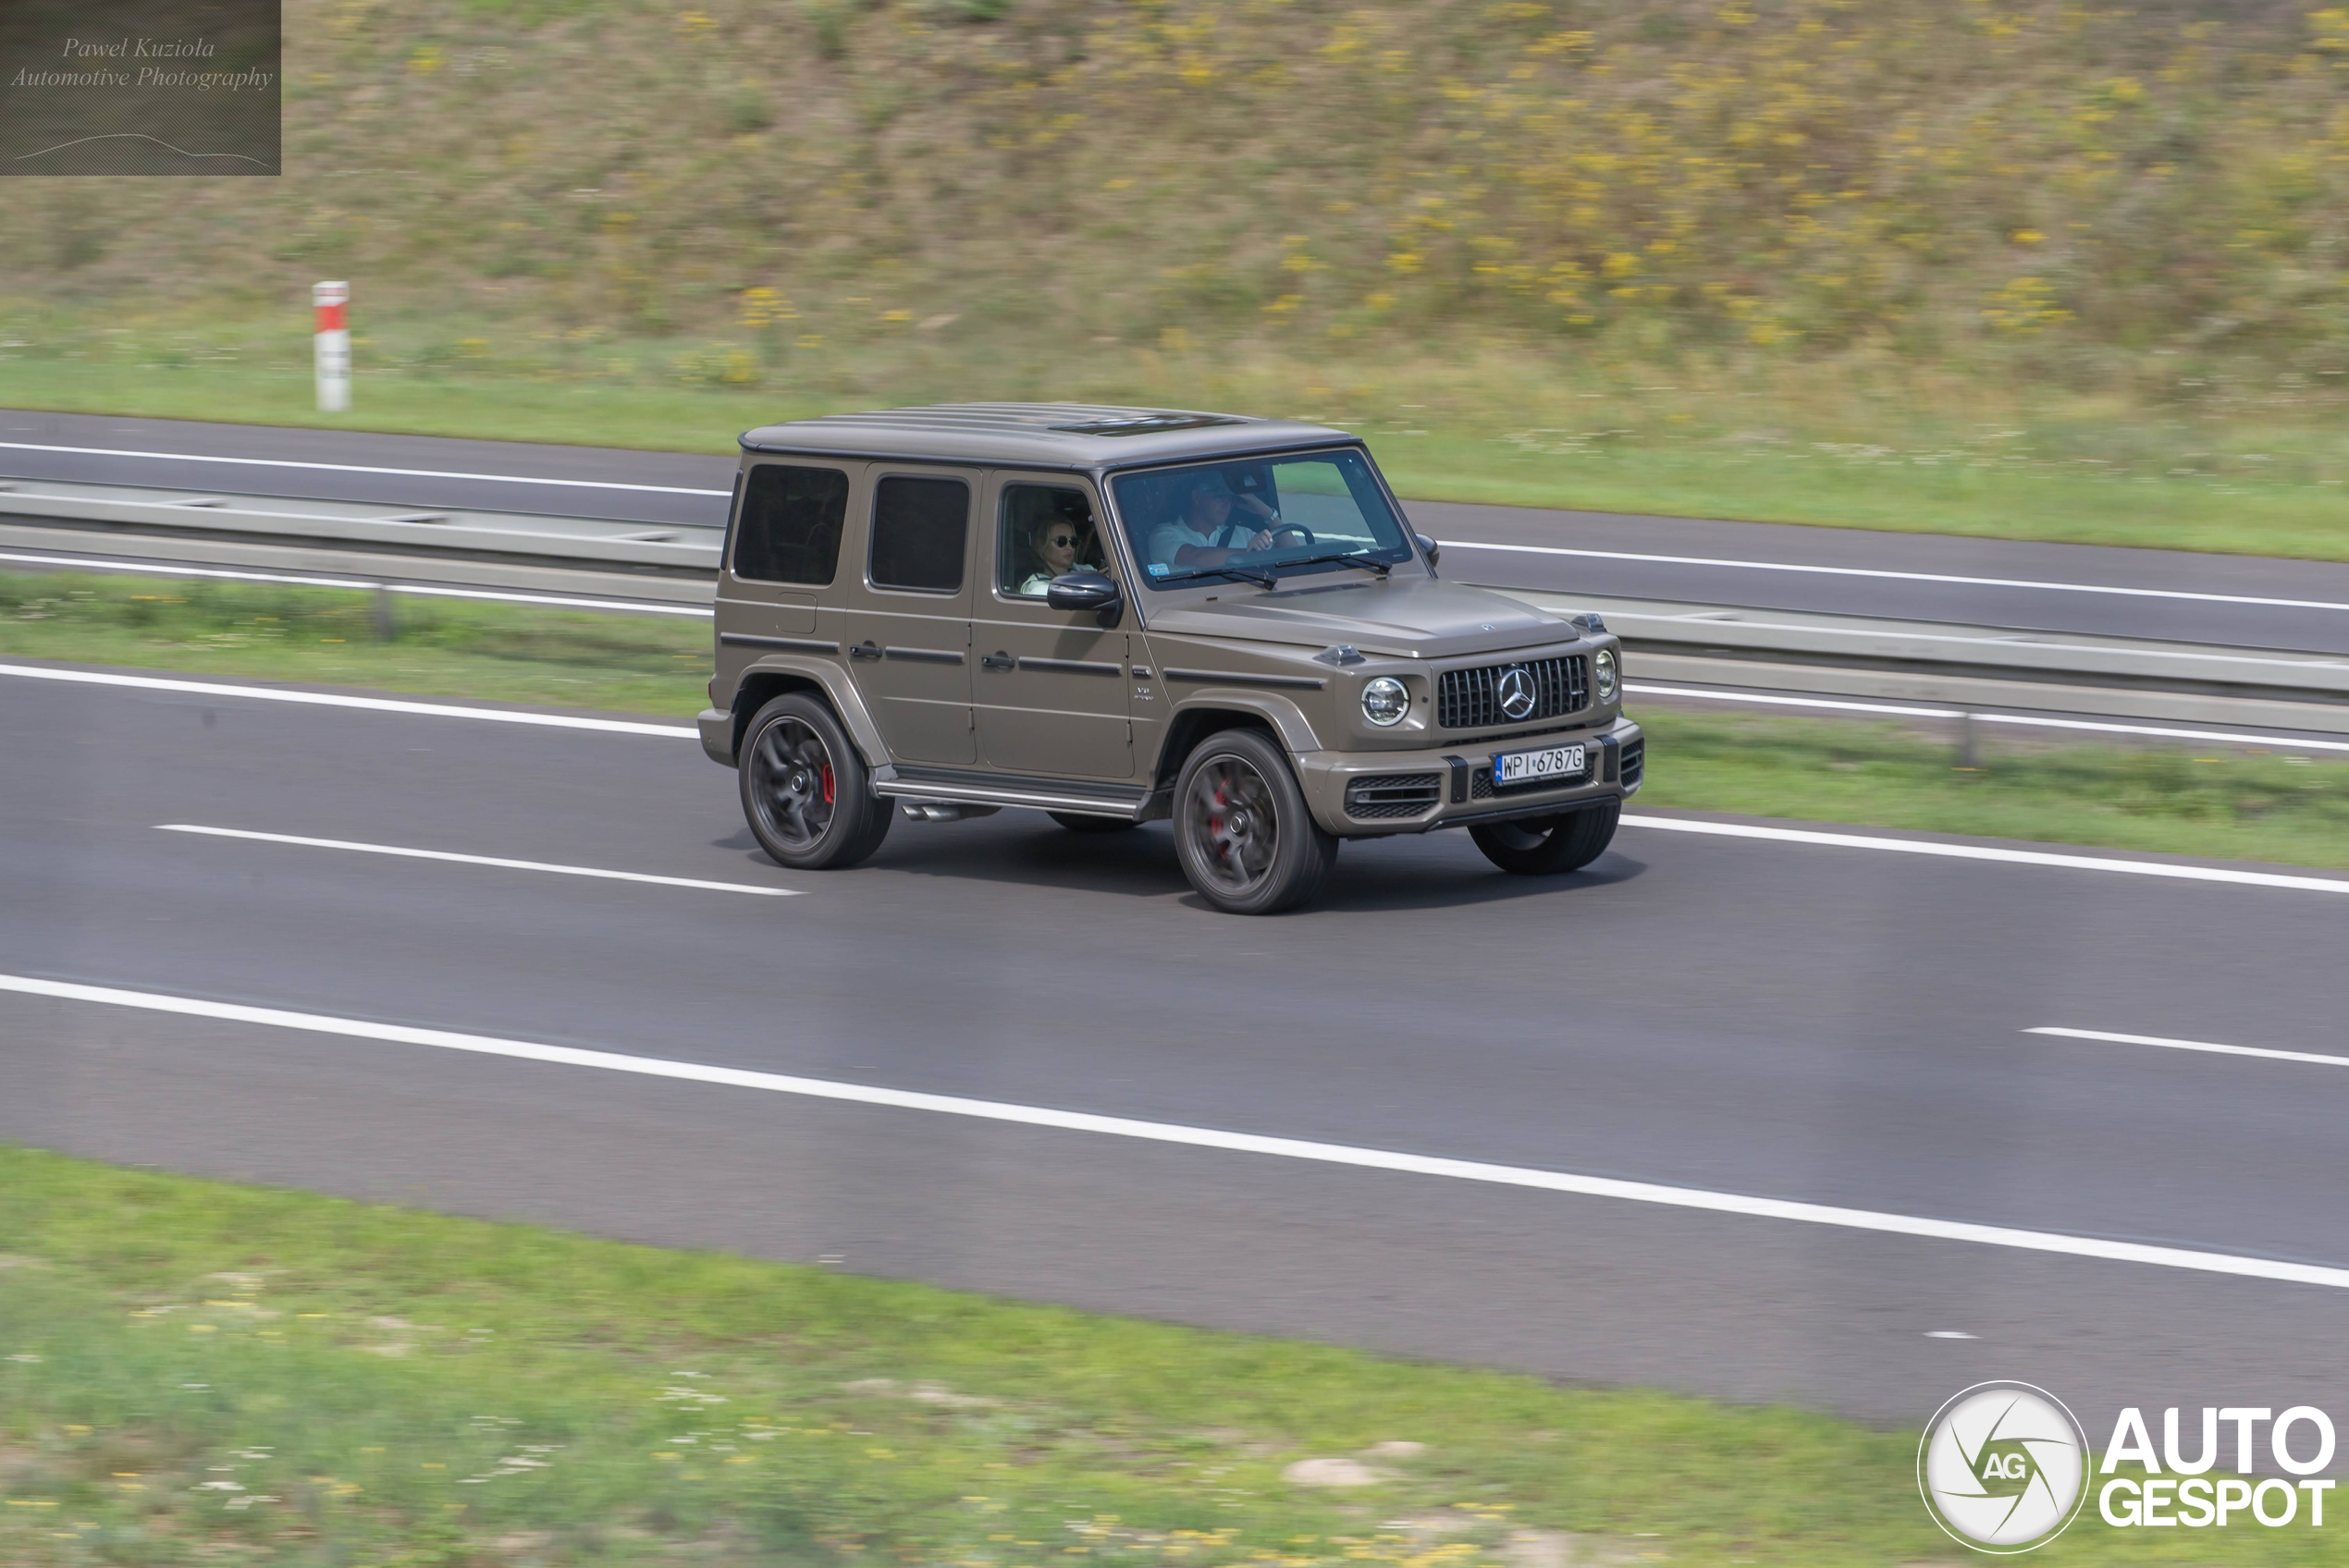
[(1261, 578), (1362, 558)]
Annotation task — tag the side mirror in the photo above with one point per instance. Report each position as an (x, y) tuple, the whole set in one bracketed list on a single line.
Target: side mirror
[(1430, 548), (1085, 591)]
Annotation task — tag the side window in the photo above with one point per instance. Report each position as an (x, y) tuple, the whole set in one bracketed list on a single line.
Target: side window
[(1047, 530), (920, 527), (789, 530)]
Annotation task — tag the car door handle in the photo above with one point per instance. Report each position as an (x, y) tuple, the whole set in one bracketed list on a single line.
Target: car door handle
[(998, 661), (864, 650)]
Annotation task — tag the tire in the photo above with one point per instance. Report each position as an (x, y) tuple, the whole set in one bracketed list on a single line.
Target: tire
[(1547, 845), (1265, 857), (805, 793), (1077, 822)]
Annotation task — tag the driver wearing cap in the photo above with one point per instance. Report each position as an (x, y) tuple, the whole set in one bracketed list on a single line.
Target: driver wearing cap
[(1204, 534)]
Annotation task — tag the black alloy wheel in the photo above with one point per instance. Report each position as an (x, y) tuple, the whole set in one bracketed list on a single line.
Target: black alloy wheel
[(1547, 845), (1242, 830), (805, 789)]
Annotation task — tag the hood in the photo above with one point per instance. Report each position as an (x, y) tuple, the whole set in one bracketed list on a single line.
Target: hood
[(1403, 617)]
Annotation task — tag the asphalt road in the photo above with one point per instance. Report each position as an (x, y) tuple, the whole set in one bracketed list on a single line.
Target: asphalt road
[(2026, 587), (1826, 1025)]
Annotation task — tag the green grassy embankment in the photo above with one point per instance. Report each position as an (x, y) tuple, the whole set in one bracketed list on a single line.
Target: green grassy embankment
[(191, 1371), (2026, 270), (2171, 799)]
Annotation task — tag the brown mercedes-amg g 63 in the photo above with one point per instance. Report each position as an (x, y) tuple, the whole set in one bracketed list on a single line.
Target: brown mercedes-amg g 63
[(1115, 616)]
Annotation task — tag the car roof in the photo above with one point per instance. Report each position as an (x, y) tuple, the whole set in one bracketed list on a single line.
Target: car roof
[(1085, 436)]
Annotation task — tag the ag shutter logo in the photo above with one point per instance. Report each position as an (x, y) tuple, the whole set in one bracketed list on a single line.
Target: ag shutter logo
[(2003, 1467)]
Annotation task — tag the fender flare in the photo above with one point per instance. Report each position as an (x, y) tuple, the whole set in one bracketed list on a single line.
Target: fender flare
[(838, 690), (1287, 719)]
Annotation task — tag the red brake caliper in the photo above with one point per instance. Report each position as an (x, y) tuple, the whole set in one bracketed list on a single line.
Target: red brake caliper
[(828, 783)]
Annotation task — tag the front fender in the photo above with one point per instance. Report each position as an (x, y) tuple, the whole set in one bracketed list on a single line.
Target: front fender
[(1287, 719)]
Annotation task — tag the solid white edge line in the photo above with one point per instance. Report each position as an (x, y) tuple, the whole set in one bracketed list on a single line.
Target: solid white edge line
[(1903, 576), (640, 607), (1694, 1198), (336, 700), (478, 859), (2312, 1057), (2238, 737), (142, 569), (2280, 742), (1990, 852), (349, 468), (136, 568), (1639, 687)]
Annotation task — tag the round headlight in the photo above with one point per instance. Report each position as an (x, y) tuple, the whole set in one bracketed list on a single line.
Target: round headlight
[(1384, 701), (1604, 667)]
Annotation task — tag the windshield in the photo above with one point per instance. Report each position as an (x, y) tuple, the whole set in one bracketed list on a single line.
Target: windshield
[(1260, 518)]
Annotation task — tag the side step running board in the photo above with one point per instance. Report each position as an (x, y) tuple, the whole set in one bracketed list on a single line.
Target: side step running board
[(1012, 795)]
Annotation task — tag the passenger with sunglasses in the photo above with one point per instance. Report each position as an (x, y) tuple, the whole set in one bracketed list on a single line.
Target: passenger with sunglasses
[(1054, 544)]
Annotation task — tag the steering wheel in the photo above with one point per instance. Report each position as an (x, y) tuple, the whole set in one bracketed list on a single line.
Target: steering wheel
[(1279, 529)]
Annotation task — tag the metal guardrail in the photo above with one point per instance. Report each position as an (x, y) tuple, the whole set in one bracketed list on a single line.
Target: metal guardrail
[(191, 516), (1972, 666), (1699, 645)]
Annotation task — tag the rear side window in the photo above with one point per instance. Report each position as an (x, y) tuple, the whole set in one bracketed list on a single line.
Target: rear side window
[(790, 526), (920, 527)]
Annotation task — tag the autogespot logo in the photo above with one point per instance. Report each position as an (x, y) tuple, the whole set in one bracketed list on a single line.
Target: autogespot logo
[(2003, 1467)]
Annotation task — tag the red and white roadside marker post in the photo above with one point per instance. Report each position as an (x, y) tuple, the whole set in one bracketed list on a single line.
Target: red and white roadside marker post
[(334, 345)]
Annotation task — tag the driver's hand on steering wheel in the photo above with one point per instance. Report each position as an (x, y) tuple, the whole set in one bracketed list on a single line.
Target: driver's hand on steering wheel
[(1263, 540)]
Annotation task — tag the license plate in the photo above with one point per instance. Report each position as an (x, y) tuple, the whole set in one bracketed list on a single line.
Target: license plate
[(1559, 765)]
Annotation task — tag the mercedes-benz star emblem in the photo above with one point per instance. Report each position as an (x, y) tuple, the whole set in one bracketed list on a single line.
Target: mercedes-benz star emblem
[(1516, 691)]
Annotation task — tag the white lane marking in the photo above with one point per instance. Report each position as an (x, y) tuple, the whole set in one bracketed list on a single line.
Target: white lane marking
[(360, 468), (1990, 852), (1207, 1137), (1949, 1334), (2233, 737), (1906, 576), (1644, 689), (478, 859), (2313, 1058), (335, 700), (559, 601), (1669, 824)]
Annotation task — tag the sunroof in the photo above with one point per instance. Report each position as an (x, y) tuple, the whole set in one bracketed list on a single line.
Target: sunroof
[(1145, 425)]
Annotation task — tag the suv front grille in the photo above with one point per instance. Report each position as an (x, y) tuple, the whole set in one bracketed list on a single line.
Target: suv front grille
[(1392, 794), (1470, 699)]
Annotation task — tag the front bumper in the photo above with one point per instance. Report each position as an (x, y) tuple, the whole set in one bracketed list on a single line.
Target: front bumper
[(1462, 791)]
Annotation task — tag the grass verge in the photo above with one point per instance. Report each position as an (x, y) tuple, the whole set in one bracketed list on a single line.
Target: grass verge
[(2279, 808), (2260, 806), (191, 1371), (1854, 454), (485, 650)]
